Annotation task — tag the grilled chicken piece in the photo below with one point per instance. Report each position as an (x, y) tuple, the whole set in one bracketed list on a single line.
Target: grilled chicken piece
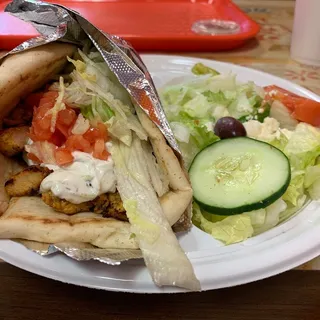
[(8, 167), (115, 209), (110, 206), (26, 182), (65, 206), (13, 140)]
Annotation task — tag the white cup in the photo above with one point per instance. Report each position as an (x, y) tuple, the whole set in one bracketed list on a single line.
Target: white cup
[(305, 42)]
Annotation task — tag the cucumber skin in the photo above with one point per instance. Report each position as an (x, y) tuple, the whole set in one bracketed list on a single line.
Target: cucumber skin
[(251, 206)]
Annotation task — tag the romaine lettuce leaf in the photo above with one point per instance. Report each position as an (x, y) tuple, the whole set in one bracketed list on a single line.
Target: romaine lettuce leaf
[(231, 229), (192, 108), (237, 228), (265, 219), (303, 147)]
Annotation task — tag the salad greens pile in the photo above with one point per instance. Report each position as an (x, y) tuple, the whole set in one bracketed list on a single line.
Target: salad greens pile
[(194, 107)]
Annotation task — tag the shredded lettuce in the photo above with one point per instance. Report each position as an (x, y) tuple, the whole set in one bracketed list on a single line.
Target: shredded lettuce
[(59, 105), (97, 111), (101, 98)]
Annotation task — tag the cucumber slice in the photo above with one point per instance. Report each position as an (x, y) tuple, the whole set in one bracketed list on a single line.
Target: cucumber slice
[(238, 175)]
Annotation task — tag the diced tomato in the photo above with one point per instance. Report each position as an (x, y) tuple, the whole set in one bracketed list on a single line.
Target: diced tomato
[(67, 117), (78, 142), (64, 130), (303, 109), (33, 158), (103, 131), (57, 138), (63, 156), (100, 151), (41, 123), (92, 141), (92, 135)]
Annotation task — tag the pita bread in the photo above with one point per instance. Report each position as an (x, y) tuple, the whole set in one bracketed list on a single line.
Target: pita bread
[(25, 72), (31, 219), (176, 204)]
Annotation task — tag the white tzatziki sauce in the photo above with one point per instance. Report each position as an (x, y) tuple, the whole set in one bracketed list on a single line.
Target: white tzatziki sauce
[(81, 181)]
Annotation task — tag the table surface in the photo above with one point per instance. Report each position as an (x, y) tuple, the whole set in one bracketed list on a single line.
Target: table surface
[(292, 295)]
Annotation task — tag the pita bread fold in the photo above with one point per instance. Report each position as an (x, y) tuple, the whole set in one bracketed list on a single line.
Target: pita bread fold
[(30, 218), (27, 71)]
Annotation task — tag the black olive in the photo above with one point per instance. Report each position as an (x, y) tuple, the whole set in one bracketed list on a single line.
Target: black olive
[(228, 127)]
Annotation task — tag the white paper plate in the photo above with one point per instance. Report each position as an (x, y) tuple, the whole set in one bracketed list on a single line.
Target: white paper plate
[(282, 248)]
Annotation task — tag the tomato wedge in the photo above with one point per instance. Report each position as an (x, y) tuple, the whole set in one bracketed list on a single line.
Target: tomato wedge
[(303, 109)]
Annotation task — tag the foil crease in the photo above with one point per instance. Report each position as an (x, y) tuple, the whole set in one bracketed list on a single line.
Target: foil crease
[(82, 251), (57, 23)]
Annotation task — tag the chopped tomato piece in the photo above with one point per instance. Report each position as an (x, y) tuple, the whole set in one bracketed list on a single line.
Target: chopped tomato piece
[(100, 151), (63, 156), (57, 138), (41, 123), (67, 117), (33, 158), (92, 135), (92, 141), (78, 142), (64, 130), (103, 131), (303, 109)]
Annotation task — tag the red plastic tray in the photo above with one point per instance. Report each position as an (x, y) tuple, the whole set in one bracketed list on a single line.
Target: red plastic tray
[(150, 25)]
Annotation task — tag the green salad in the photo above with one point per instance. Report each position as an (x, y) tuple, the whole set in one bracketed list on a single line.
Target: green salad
[(246, 187)]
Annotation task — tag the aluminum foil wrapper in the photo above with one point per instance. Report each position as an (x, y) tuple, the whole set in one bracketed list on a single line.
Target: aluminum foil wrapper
[(57, 23), (82, 251)]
